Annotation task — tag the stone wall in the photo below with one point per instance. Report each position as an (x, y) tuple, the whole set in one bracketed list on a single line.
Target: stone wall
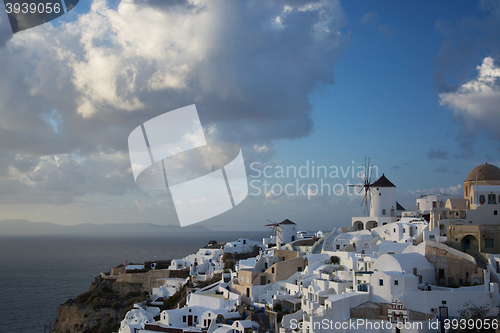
[(453, 268)]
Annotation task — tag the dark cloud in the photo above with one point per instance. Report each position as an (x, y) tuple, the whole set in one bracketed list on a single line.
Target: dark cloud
[(5, 29), (70, 100), (437, 154), (465, 44), (442, 169), (396, 167)]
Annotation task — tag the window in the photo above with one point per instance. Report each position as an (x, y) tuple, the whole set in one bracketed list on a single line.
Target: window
[(381, 282), (394, 230), (432, 236), (299, 269), (481, 199), (441, 204), (396, 282), (183, 319), (495, 212), (434, 204), (338, 246), (272, 270), (379, 194), (383, 211), (404, 231), (492, 199), (488, 242)]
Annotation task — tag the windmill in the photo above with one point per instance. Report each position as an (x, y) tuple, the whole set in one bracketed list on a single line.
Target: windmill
[(366, 185), (274, 226)]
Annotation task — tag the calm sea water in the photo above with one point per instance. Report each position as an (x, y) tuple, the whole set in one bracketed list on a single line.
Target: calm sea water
[(37, 274)]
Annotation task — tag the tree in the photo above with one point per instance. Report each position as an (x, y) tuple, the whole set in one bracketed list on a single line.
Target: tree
[(334, 260), (474, 312)]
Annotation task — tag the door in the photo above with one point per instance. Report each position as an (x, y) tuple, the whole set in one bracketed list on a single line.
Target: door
[(190, 320)]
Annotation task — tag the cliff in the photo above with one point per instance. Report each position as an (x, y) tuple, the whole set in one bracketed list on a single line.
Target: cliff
[(100, 309)]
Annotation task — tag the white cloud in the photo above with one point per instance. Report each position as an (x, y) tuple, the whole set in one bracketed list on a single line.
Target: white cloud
[(117, 66), (476, 102)]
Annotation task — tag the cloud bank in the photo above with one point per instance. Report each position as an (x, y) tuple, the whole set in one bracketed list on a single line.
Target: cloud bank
[(71, 94)]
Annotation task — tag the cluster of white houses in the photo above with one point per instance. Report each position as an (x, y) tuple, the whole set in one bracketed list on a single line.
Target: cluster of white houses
[(396, 270)]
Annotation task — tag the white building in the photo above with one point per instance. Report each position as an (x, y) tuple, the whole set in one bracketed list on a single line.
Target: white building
[(384, 208)]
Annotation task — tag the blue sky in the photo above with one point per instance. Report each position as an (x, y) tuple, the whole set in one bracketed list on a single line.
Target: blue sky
[(385, 103), (413, 87)]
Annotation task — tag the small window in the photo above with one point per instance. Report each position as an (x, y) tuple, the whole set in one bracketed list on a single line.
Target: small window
[(338, 246), (495, 212), (432, 236), (396, 282), (434, 204), (404, 231), (379, 194), (183, 319), (481, 199), (383, 211), (299, 269), (488, 242), (394, 229), (381, 282), (272, 270)]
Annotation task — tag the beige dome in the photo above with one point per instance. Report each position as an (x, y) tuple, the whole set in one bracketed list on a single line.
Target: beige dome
[(484, 172)]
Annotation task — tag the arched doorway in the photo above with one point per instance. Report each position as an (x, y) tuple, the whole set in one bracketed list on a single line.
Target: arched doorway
[(248, 292), (470, 243), (358, 225), (371, 224)]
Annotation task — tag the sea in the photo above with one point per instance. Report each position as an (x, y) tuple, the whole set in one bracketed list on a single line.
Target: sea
[(38, 273)]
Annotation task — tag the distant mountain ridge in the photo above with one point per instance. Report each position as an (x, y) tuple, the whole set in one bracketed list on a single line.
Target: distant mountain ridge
[(28, 228)]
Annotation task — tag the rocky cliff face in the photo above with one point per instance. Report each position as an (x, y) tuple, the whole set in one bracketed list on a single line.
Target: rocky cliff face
[(98, 310)]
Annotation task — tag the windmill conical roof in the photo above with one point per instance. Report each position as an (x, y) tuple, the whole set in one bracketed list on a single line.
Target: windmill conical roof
[(383, 182)]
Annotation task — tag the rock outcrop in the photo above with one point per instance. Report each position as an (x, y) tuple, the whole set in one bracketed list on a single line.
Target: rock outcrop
[(100, 309)]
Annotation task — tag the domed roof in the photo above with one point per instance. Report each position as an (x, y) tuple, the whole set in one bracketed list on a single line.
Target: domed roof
[(484, 172)]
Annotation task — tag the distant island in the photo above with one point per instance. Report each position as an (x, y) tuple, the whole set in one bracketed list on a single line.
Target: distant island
[(28, 228)]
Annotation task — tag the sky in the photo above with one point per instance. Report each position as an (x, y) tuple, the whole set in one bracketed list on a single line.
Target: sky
[(413, 86)]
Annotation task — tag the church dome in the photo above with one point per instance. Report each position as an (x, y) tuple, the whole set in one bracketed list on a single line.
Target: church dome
[(484, 172)]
